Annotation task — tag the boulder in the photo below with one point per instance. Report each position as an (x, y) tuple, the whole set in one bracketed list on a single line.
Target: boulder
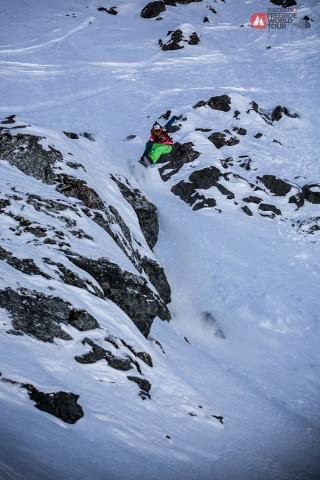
[(220, 140), (221, 103), (153, 9), (276, 185), (279, 111), (63, 405)]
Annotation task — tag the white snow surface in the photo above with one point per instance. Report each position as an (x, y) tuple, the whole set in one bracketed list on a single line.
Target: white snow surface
[(259, 278)]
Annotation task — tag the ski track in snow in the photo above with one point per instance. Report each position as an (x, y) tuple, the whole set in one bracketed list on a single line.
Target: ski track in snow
[(33, 48)]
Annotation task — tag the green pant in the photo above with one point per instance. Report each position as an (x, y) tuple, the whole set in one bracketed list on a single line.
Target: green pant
[(157, 150)]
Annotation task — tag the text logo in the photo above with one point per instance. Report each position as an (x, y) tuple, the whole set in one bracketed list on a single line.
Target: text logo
[(259, 20)]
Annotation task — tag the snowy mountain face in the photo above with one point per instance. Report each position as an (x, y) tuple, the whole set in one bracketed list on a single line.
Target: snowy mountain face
[(159, 322)]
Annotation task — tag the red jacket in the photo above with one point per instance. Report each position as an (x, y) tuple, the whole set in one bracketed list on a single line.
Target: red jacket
[(163, 138)]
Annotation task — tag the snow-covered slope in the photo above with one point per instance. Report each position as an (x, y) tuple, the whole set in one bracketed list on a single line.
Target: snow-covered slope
[(164, 321)]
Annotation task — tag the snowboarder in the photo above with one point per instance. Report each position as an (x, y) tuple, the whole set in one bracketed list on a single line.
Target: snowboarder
[(159, 143)]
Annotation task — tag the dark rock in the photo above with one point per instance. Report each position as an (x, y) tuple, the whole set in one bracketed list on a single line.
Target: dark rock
[(98, 353), (177, 38), (157, 277), (40, 316), (201, 103), (166, 115), (205, 178), (74, 187), (63, 405), (4, 203), (298, 199), (145, 210), (275, 185), (221, 103), (72, 135), (278, 112), (145, 357), (203, 202), (9, 120), (218, 417), (252, 199), (219, 140), (143, 384), (258, 135), (247, 210), (25, 152), (193, 39), (181, 154), (25, 265), (75, 165), (131, 137), (240, 131), (205, 20), (203, 129), (111, 11), (236, 114), (153, 9), (265, 207), (227, 162), (263, 114), (71, 278), (284, 3), (129, 291), (311, 195), (222, 189), (89, 136)]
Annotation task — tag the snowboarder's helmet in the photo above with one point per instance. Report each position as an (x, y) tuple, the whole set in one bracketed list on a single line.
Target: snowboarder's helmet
[(156, 126)]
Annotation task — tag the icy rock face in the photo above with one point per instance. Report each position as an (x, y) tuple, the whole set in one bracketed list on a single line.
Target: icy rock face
[(142, 295), (26, 153), (43, 316), (131, 292), (145, 210)]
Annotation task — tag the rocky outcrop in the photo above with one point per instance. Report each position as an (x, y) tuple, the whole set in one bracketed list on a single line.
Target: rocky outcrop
[(143, 384), (220, 140), (276, 185), (265, 207), (145, 210), (177, 40), (24, 265), (63, 405), (28, 155), (129, 291), (279, 111), (220, 102), (42, 316), (201, 180), (174, 161), (99, 353)]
